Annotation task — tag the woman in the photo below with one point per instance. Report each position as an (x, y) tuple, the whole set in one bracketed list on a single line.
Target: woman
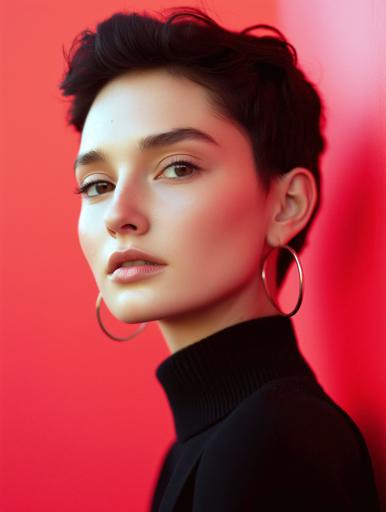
[(198, 168)]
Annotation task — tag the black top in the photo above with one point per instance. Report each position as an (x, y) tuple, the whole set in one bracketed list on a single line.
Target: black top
[(255, 431)]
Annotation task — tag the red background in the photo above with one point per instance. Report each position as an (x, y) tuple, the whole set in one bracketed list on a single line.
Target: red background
[(84, 423)]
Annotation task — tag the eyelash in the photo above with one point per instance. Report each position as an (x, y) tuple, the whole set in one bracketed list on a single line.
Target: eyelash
[(84, 188)]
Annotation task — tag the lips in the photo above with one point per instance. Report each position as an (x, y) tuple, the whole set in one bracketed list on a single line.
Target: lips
[(118, 257)]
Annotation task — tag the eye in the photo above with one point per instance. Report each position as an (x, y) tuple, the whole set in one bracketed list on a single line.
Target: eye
[(99, 184), (181, 167)]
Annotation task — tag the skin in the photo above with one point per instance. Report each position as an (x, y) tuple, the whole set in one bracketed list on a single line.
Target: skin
[(213, 228)]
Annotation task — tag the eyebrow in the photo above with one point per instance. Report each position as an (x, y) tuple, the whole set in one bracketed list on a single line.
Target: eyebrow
[(149, 142)]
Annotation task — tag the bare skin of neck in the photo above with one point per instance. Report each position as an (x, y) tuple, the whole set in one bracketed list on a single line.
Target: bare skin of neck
[(247, 303)]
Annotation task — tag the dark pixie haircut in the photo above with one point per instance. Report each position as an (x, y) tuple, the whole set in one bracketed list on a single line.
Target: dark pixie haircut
[(254, 81)]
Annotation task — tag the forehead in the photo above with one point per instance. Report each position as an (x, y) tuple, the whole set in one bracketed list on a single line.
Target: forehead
[(145, 102)]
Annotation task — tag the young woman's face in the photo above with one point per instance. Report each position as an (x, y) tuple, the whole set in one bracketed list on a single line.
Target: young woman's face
[(206, 218)]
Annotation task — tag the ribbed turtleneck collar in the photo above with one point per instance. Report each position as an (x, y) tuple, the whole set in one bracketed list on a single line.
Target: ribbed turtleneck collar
[(206, 380)]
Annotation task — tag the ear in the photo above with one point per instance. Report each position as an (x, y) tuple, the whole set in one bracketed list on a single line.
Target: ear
[(294, 196)]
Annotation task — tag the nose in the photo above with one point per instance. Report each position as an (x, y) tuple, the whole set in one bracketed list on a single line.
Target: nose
[(126, 212)]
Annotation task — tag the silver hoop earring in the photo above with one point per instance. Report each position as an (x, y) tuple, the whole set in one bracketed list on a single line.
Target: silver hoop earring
[(301, 285), (116, 338)]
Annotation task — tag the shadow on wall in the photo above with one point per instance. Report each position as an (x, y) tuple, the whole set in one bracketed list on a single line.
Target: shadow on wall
[(352, 297)]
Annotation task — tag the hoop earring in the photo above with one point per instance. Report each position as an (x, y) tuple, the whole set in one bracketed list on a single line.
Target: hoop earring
[(300, 270), (116, 338)]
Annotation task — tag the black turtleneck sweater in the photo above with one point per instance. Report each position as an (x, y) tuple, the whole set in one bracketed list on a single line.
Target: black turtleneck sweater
[(255, 431)]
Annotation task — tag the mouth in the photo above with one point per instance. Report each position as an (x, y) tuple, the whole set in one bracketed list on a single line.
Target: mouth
[(137, 263), (131, 271), (132, 258)]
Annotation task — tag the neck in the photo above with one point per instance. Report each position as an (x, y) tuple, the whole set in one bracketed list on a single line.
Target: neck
[(206, 380), (186, 328)]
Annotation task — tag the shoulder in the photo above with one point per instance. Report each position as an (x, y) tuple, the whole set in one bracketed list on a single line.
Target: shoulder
[(287, 441), (292, 414)]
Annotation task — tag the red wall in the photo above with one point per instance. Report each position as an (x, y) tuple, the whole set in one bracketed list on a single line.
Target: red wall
[(84, 423)]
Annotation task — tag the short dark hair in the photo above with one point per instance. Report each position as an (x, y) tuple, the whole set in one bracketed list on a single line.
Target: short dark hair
[(252, 80)]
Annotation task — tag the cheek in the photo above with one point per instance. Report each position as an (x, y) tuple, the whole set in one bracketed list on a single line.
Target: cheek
[(222, 232), (89, 240)]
